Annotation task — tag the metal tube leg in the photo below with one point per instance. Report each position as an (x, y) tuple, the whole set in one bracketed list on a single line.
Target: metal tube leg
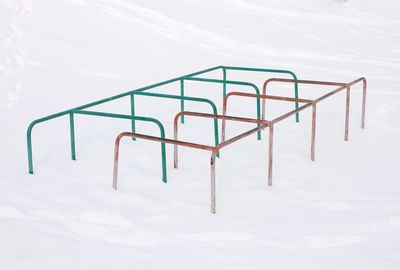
[(213, 203), (270, 154), (223, 120), (29, 145), (224, 84), (363, 103), (182, 85), (116, 154), (346, 128), (164, 162), (258, 117), (72, 132), (133, 126), (314, 122), (296, 95), (175, 146)]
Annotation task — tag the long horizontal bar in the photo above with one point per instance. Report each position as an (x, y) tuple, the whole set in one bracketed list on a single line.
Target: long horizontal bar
[(282, 117), (241, 136), (222, 81), (218, 116), (168, 141), (311, 82), (282, 98), (115, 115), (104, 100)]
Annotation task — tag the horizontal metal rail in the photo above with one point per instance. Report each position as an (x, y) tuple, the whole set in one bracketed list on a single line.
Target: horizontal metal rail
[(296, 87), (129, 93), (309, 82), (188, 98), (212, 116), (139, 118), (263, 97), (308, 104), (214, 151), (252, 85)]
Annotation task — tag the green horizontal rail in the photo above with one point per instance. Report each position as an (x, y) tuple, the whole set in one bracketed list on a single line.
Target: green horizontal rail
[(112, 115), (195, 99), (71, 112), (139, 118), (225, 82), (268, 70)]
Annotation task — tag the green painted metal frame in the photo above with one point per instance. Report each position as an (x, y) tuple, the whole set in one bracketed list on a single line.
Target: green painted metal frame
[(133, 118)]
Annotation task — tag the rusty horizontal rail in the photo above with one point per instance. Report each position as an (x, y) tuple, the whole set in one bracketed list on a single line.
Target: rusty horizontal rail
[(212, 116), (262, 97), (309, 103), (214, 150)]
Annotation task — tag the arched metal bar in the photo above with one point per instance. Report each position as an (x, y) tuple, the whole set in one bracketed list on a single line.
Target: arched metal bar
[(212, 116), (196, 99), (224, 82), (268, 70), (263, 97)]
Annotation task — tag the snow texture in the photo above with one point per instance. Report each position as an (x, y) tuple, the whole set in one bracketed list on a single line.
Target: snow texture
[(340, 212)]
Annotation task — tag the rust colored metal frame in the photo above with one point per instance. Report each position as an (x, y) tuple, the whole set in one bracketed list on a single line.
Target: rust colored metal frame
[(214, 150), (261, 124), (312, 103)]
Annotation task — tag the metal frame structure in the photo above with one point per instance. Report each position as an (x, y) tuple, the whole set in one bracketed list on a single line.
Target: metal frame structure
[(140, 91), (260, 119), (261, 124)]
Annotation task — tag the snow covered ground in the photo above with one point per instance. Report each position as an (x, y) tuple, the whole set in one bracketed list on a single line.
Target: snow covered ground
[(340, 212)]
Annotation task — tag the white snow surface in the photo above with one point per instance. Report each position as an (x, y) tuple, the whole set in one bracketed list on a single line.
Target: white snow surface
[(340, 212)]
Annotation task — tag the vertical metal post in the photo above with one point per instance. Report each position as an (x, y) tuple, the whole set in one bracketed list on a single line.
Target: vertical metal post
[(133, 126), (363, 103), (175, 145), (270, 153), (346, 128), (225, 104), (182, 86), (163, 159), (296, 95), (29, 145), (224, 84), (116, 158), (213, 201), (72, 132), (258, 117), (314, 122)]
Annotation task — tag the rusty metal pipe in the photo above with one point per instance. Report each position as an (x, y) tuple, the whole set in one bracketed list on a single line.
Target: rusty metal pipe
[(150, 138), (346, 125), (212, 183), (313, 129), (214, 152), (207, 115), (270, 153), (309, 82), (364, 98), (263, 97)]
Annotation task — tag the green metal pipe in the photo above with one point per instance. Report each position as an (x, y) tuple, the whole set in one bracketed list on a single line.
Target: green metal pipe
[(197, 99), (296, 86), (139, 118), (133, 126), (182, 84), (72, 135), (101, 101), (224, 82), (224, 85)]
